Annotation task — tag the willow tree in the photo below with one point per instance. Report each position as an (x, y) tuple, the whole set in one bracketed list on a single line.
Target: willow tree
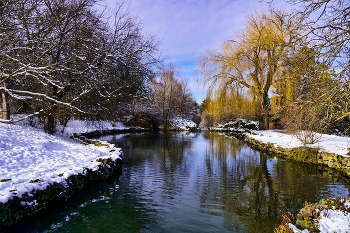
[(223, 107), (252, 62)]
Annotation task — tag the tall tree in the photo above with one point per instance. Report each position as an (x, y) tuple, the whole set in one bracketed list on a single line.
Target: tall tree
[(323, 85), (7, 9), (64, 55), (252, 61)]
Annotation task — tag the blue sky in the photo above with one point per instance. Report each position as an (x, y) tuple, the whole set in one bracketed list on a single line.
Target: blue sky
[(189, 28)]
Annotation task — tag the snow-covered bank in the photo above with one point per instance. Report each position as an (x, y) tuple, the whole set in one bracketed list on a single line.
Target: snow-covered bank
[(327, 216), (81, 127), (37, 168), (182, 124), (31, 159), (327, 143), (85, 127), (329, 150)]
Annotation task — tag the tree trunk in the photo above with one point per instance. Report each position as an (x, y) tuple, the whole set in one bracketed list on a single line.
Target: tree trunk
[(50, 126), (264, 122), (264, 115), (166, 122), (5, 107)]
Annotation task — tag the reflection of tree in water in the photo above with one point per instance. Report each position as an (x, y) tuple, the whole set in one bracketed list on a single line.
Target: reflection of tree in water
[(249, 190), (161, 155)]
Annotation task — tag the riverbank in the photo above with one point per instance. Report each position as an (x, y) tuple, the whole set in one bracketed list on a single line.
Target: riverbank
[(37, 169), (330, 150), (329, 215)]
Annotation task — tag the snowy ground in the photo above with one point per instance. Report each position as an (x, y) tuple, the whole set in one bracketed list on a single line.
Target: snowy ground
[(327, 143), (180, 123), (330, 221), (79, 127), (31, 159)]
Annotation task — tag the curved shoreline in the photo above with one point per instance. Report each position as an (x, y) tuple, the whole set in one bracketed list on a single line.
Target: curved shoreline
[(308, 217), (36, 201)]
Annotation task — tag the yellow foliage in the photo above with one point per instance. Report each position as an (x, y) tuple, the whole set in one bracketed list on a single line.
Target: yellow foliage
[(253, 64), (230, 105)]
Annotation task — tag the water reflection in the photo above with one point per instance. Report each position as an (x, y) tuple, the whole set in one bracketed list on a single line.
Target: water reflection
[(246, 197), (255, 189), (180, 182)]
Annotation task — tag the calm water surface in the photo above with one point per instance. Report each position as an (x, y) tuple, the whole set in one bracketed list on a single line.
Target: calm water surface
[(191, 182)]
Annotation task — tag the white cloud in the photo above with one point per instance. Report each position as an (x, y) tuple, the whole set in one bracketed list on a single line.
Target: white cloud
[(189, 28)]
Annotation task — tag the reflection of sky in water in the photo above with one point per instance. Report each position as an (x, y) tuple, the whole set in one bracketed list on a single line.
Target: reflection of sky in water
[(336, 190), (112, 137), (271, 163)]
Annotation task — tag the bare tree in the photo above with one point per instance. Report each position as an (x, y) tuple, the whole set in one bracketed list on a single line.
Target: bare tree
[(66, 56), (329, 24), (7, 9), (171, 95)]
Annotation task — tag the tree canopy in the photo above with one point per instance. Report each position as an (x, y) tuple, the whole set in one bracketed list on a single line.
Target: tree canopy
[(252, 62)]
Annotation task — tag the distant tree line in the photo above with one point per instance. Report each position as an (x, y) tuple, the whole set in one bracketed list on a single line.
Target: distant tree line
[(64, 58)]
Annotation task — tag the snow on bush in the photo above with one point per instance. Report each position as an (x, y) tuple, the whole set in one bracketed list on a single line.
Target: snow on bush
[(242, 123), (79, 127), (184, 124)]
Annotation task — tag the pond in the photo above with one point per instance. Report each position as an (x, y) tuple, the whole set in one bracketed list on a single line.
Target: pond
[(191, 182)]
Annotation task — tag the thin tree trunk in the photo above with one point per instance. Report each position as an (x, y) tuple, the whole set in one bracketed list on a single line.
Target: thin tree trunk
[(5, 107)]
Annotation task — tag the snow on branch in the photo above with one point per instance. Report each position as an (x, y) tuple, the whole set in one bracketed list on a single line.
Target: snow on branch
[(29, 94), (20, 119)]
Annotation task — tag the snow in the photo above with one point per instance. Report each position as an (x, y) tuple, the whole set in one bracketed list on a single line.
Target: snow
[(295, 229), (79, 127), (32, 160), (327, 143), (330, 221), (334, 221), (178, 122)]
